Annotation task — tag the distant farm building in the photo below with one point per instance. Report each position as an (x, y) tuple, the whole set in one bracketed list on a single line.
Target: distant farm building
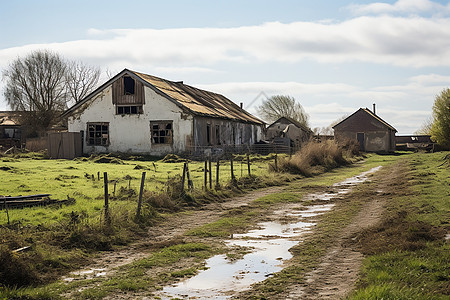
[(414, 142), (143, 114), (288, 132), (372, 133), (10, 129)]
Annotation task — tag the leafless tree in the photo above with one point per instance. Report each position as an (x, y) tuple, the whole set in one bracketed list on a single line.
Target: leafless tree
[(42, 84), (36, 86), (81, 79), (282, 106)]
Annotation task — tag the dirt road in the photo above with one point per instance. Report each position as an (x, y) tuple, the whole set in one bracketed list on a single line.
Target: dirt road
[(333, 278)]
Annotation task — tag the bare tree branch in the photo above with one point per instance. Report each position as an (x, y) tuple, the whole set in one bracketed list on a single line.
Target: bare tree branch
[(42, 84)]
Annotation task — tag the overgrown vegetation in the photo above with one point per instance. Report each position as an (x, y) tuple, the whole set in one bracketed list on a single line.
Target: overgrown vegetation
[(315, 158)]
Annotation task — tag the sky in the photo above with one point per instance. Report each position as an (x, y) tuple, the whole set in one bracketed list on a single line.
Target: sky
[(332, 56)]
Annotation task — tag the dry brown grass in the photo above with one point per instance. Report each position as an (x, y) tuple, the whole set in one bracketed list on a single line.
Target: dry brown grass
[(314, 158)]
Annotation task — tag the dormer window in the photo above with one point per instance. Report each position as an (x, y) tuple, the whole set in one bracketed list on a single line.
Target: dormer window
[(128, 96), (128, 85)]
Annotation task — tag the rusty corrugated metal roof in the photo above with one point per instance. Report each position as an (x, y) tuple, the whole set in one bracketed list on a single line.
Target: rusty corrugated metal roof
[(368, 111), (199, 101)]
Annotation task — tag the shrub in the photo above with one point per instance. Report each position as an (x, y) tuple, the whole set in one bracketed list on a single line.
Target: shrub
[(14, 270), (312, 157)]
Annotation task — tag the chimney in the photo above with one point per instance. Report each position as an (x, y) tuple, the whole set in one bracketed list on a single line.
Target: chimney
[(374, 109), (241, 105)]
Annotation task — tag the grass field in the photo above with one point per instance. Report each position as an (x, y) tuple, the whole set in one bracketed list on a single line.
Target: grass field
[(79, 179)]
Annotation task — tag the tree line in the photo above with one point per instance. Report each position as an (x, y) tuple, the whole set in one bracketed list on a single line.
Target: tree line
[(43, 84)]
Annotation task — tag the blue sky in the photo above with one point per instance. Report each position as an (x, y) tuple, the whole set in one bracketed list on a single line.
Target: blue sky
[(331, 56)]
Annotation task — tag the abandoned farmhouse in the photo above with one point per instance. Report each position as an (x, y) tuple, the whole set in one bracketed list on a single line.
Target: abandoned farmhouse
[(139, 113), (371, 132)]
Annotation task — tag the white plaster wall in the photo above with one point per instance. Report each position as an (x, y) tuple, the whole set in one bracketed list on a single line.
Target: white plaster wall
[(131, 133)]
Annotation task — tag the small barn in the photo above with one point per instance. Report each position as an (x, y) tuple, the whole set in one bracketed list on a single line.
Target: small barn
[(143, 114), (291, 131), (10, 129), (372, 133)]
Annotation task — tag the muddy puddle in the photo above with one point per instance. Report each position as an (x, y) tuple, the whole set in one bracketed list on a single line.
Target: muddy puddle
[(268, 246), (86, 274)]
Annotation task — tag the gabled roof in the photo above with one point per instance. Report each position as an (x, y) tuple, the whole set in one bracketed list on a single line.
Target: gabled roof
[(370, 113), (197, 101), (9, 118), (290, 120)]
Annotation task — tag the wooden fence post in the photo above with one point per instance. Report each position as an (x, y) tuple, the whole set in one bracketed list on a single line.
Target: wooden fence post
[(190, 182), (105, 183), (210, 173), (232, 171), (217, 173), (206, 175), (6, 209), (183, 177), (141, 191), (248, 164)]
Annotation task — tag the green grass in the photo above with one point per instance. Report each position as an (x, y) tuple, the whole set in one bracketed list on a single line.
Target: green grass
[(223, 227), (417, 267), (62, 178)]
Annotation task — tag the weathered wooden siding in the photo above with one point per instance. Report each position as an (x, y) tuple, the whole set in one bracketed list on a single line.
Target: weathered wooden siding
[(224, 132), (119, 97)]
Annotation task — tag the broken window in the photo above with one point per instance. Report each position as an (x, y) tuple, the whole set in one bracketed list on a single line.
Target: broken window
[(129, 109), (162, 132), (98, 134), (128, 85)]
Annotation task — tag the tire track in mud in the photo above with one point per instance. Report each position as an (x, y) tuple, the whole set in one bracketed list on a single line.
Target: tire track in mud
[(339, 268)]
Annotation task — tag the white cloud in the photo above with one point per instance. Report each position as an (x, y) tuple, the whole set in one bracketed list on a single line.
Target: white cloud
[(411, 42), (400, 7)]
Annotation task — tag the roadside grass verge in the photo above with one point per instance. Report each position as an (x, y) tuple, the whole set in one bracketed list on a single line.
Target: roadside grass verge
[(147, 274), (408, 254)]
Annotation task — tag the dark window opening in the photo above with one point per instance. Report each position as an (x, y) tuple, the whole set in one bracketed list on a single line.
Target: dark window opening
[(162, 132), (129, 110), (208, 134), (128, 85), (218, 134), (233, 136), (97, 134)]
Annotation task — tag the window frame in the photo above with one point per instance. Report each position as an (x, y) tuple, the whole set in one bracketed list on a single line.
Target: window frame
[(128, 109), (161, 136), (97, 134)]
